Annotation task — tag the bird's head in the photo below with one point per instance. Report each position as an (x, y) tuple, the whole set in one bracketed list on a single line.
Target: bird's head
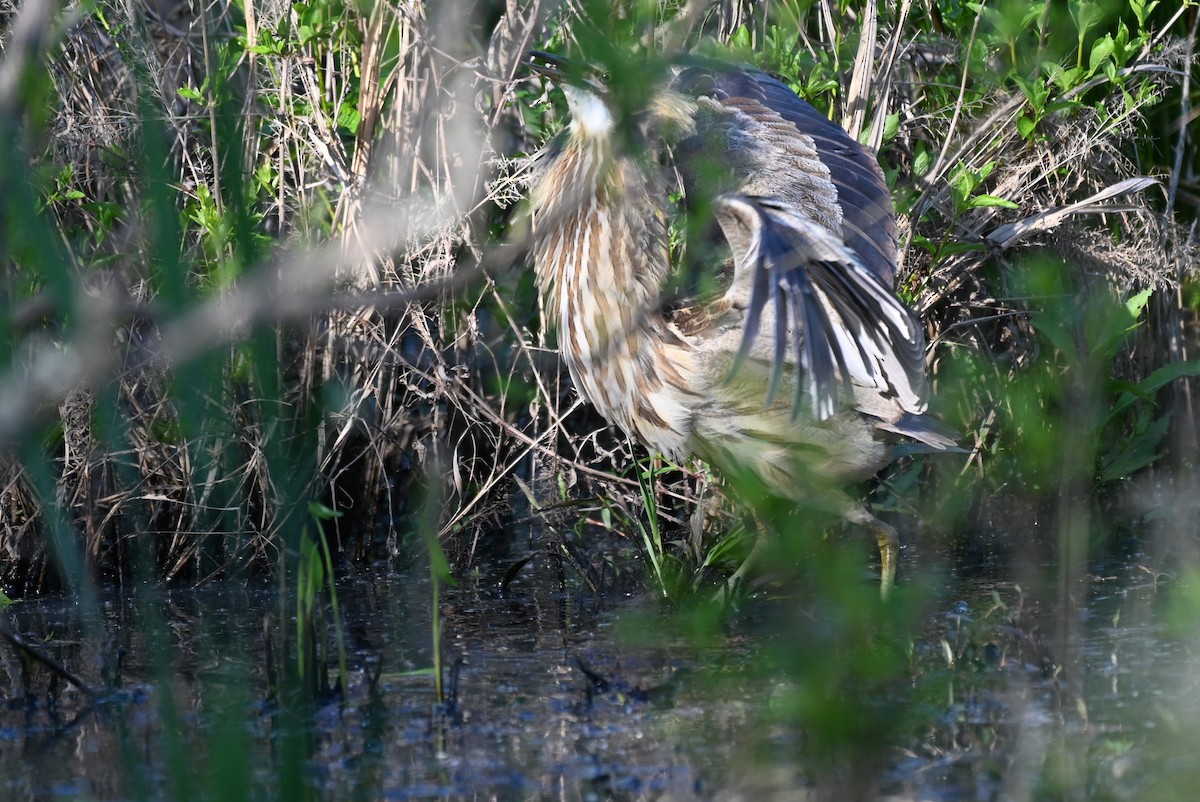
[(586, 90), (602, 100)]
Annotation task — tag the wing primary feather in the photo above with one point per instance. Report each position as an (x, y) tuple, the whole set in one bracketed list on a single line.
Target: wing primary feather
[(811, 326), (732, 211), (835, 319), (800, 311), (777, 295), (883, 331)]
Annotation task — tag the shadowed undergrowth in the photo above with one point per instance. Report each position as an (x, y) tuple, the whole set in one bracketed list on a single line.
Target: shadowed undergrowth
[(275, 255)]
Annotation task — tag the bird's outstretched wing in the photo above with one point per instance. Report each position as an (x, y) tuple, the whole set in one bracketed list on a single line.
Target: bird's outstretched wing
[(842, 320), (783, 124), (809, 220)]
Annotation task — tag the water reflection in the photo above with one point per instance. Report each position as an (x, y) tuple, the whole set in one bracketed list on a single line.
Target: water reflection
[(555, 695)]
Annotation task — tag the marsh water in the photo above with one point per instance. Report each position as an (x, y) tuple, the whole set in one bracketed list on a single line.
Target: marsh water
[(556, 692)]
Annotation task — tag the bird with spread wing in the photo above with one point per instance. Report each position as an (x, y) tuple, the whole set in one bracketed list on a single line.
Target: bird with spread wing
[(807, 367)]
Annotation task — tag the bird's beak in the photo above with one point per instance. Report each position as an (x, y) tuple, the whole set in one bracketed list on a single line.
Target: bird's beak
[(553, 67)]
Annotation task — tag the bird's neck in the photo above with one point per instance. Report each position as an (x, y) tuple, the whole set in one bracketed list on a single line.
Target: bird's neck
[(602, 245), (601, 251)]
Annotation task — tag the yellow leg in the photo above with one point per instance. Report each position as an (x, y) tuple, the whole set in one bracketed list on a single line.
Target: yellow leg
[(889, 555), (889, 546)]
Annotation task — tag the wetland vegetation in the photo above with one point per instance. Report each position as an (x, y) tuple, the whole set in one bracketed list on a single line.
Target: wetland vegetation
[(297, 501)]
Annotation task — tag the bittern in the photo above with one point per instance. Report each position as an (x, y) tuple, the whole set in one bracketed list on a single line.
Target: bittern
[(807, 365)]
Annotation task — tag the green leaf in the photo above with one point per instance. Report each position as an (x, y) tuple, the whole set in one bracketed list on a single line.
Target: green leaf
[(1146, 388), (1025, 126), (980, 201), (1133, 454), (321, 512), (1036, 92), (1033, 12), (741, 39), (1142, 10), (815, 88), (5, 601), (392, 676), (953, 248), (1066, 79), (1112, 328), (439, 566), (1137, 303), (922, 162), (944, 249), (349, 118), (1085, 14), (891, 124), (1102, 50)]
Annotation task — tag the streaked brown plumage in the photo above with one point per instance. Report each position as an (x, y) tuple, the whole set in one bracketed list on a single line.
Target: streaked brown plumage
[(807, 364)]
